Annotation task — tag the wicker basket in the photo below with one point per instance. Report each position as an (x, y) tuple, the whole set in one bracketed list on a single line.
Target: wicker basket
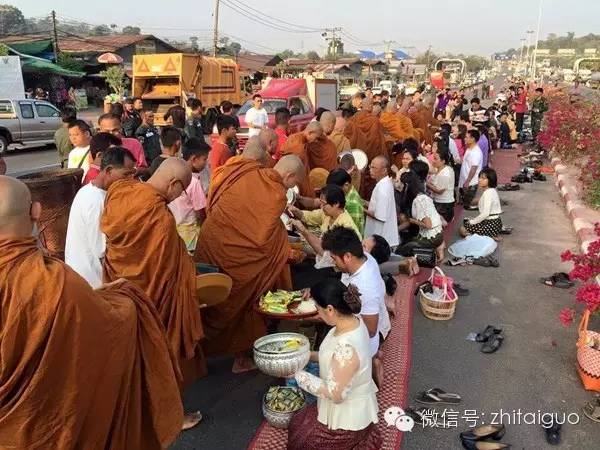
[(436, 309), (55, 190)]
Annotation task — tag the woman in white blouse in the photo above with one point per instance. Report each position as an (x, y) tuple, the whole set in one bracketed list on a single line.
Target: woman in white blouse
[(346, 411), (441, 184), (423, 213), (488, 222)]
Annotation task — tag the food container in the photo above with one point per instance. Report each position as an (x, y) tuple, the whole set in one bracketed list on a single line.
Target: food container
[(280, 419), (281, 363)]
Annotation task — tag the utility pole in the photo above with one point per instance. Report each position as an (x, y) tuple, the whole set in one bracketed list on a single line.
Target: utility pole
[(54, 37), (333, 40), (428, 57), (216, 29)]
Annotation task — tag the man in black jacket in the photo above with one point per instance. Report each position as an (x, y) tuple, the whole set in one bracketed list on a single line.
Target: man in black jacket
[(149, 136)]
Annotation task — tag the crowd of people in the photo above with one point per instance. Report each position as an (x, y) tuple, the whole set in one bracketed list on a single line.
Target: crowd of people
[(156, 201)]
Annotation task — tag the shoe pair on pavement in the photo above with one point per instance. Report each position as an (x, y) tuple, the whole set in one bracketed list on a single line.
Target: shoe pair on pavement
[(491, 338), (484, 437)]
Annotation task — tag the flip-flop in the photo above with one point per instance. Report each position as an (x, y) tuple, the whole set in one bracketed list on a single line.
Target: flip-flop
[(506, 230), (557, 281), (493, 344), (437, 396), (592, 410), (460, 291)]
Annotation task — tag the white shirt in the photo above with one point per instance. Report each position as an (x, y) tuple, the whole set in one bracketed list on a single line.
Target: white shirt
[(422, 207), (444, 179), (473, 158), (383, 206), (371, 287), (454, 150), (86, 244), (489, 206), (257, 117), (75, 157)]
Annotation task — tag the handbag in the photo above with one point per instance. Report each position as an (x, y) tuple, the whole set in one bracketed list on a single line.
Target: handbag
[(588, 358), (426, 256)]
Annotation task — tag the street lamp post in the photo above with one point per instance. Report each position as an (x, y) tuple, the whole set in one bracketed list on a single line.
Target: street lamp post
[(527, 55), (537, 40)]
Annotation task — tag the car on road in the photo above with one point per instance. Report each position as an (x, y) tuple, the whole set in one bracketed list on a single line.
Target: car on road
[(27, 122)]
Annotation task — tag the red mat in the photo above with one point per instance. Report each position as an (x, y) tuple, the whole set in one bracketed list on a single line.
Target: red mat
[(396, 364), (506, 164)]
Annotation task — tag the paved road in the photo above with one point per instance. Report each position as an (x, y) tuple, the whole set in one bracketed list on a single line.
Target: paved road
[(535, 368), (30, 158)]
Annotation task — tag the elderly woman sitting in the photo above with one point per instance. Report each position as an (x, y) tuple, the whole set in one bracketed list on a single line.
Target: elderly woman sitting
[(332, 213)]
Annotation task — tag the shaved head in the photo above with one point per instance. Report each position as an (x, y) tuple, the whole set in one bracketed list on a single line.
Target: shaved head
[(383, 161), (17, 213), (291, 169), (376, 110), (171, 178), (268, 140), (313, 131), (367, 105), (340, 123), (255, 150), (327, 122)]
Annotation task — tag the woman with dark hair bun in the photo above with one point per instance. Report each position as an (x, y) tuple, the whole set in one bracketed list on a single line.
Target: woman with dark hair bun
[(488, 222), (346, 413)]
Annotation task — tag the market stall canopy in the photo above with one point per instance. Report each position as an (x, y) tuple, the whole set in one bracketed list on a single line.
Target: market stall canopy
[(32, 65), (110, 58), (32, 47)]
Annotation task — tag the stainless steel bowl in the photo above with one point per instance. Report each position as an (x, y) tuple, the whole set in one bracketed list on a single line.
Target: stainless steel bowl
[(279, 364), (278, 419)]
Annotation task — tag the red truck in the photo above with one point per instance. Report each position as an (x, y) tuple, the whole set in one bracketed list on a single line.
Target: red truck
[(302, 96)]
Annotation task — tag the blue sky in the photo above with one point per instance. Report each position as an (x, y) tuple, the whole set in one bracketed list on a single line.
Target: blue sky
[(468, 26)]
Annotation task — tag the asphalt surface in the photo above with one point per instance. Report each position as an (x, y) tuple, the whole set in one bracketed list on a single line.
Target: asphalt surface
[(535, 369)]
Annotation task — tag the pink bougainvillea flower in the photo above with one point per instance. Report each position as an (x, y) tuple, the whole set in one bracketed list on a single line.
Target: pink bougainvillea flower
[(567, 316)]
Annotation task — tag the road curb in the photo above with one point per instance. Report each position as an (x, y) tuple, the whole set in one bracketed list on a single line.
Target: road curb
[(574, 205)]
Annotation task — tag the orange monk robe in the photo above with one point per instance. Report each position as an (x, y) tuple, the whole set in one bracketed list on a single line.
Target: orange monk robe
[(322, 153), (142, 245), (365, 132), (81, 369), (420, 122), (296, 144), (342, 144), (244, 236)]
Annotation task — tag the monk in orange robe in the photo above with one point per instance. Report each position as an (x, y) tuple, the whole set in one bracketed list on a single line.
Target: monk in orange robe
[(81, 368), (365, 132), (244, 236), (322, 153), (297, 144), (337, 136), (142, 245)]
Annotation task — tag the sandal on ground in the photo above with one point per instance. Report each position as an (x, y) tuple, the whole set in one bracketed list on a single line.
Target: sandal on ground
[(486, 334), (509, 187), (559, 280), (592, 410), (553, 433), (506, 230), (418, 415), (493, 344), (460, 291), (437, 396)]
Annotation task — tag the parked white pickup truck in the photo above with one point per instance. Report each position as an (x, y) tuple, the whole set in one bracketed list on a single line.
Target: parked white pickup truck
[(27, 122)]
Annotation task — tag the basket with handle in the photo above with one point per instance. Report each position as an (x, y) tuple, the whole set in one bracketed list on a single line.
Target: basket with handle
[(588, 358), (55, 190), (438, 308)]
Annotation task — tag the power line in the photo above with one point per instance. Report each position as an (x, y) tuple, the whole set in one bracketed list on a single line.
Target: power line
[(266, 22), (313, 29)]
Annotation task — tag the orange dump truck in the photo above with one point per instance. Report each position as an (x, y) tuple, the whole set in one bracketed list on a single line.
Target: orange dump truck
[(167, 79)]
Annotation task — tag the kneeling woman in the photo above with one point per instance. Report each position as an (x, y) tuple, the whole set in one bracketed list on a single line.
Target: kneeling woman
[(488, 222), (346, 413)]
